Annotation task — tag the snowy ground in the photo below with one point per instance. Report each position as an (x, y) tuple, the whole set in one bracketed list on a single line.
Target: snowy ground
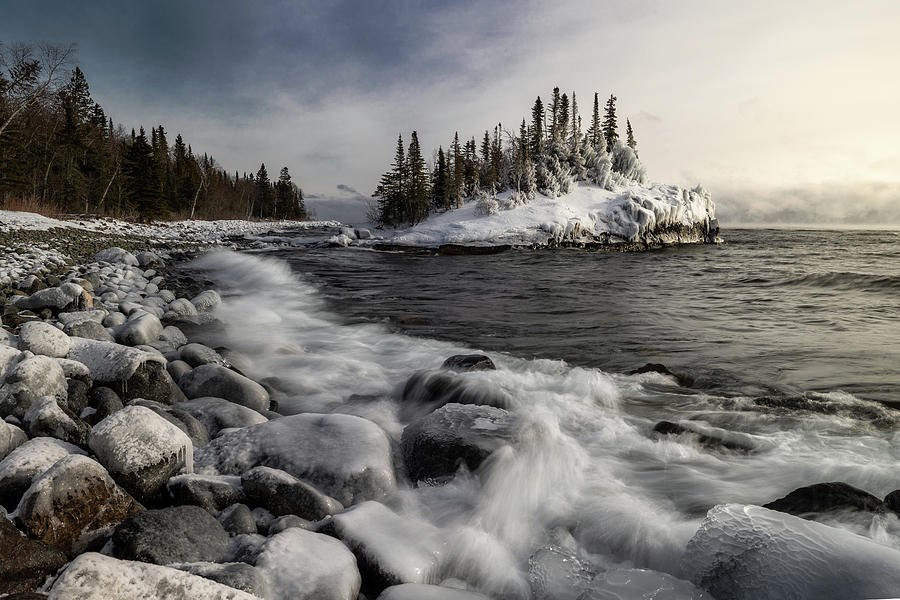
[(633, 213)]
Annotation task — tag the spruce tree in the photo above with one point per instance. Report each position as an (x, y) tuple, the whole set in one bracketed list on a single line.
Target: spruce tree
[(563, 123), (595, 135), (610, 124), (457, 172), (537, 130), (554, 114), (418, 190), (264, 196), (630, 133), (391, 190), (440, 189)]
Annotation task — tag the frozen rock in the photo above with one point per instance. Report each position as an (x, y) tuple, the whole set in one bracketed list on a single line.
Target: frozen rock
[(329, 570), (171, 535), (11, 437), (198, 354), (637, 584), (217, 414), (114, 319), (174, 336), (419, 591), (66, 506), (207, 300), (219, 382), (556, 573), (283, 494), (389, 549), (89, 329), (238, 519), (749, 552), (68, 296), (437, 444), (166, 295), (116, 255), (209, 492), (33, 560), (149, 259), (94, 576), (97, 315), (347, 457), (182, 307), (141, 449), (179, 418), (8, 339), (143, 329), (9, 357), (19, 469), (46, 417), (29, 380), (43, 338), (240, 576), (73, 369)]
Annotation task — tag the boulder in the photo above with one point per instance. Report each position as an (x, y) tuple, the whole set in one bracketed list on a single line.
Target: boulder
[(77, 395), (11, 437), (70, 318), (43, 338), (389, 549), (711, 438), (94, 576), (34, 457), (237, 519), (174, 336), (419, 591), (347, 457), (207, 300), (105, 402), (28, 380), (826, 497), (176, 534), (892, 501), (286, 522), (283, 494), (220, 382), (89, 329), (26, 563), (148, 259), (181, 307), (143, 329), (8, 339), (682, 380), (150, 381), (211, 493), (329, 569), (437, 444), (141, 449), (198, 354), (67, 297), (72, 503), (641, 583), (177, 369), (116, 255), (47, 417), (427, 391), (9, 358), (72, 369), (240, 576), (469, 362), (217, 414), (179, 418)]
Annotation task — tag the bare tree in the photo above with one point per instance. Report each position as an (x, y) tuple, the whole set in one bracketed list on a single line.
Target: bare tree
[(31, 74)]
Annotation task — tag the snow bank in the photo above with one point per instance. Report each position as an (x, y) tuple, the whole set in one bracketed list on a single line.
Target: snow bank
[(632, 213)]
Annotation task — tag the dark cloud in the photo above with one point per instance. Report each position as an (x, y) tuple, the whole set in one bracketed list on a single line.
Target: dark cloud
[(346, 205)]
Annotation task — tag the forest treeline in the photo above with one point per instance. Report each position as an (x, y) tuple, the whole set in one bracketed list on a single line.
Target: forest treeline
[(548, 154), (61, 153)]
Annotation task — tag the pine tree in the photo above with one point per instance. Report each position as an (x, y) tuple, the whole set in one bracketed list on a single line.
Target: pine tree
[(563, 124), (554, 114), (391, 190), (458, 184), (286, 196), (264, 196), (630, 133), (440, 188), (537, 129), (595, 134), (138, 168), (610, 124), (418, 190)]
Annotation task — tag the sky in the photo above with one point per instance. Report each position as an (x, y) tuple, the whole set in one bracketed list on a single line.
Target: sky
[(787, 111)]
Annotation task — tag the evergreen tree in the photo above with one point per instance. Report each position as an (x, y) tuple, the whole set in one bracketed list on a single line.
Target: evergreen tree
[(391, 190), (610, 124), (630, 133), (537, 129), (418, 190), (595, 134), (264, 196), (563, 124), (287, 199), (143, 194), (554, 114), (440, 188), (458, 184)]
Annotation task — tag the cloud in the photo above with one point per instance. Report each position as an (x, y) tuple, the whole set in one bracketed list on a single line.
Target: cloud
[(346, 205)]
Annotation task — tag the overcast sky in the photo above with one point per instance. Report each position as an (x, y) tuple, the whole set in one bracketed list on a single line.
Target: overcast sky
[(786, 111)]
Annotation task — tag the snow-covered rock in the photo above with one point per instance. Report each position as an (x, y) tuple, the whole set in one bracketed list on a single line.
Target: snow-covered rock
[(31, 459), (47, 418), (171, 535), (43, 338), (347, 457), (11, 437), (143, 329), (94, 576), (109, 362), (241, 576), (73, 499), (9, 357), (116, 255), (220, 382), (217, 414), (206, 300), (743, 552), (328, 570), (29, 380), (68, 296), (141, 449), (419, 591), (283, 494)]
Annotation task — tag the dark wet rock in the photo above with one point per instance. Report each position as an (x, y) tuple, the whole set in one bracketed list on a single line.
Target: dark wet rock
[(427, 391), (460, 250), (88, 329), (30, 460), (171, 535), (389, 549), (49, 417), (70, 504), (220, 382), (436, 445), (177, 369), (237, 519), (211, 493), (105, 402), (469, 362), (197, 354), (150, 381), (283, 494), (181, 419), (827, 497), (683, 380), (872, 413), (347, 457), (892, 501), (217, 414), (239, 576), (245, 548), (77, 395), (710, 438), (141, 450), (26, 563)]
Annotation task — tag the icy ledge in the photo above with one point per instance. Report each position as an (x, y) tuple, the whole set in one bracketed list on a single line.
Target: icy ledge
[(632, 217)]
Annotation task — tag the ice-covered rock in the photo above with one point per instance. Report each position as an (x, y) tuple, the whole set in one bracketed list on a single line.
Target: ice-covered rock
[(210, 492), (11, 437), (181, 419), (240, 576), (141, 449), (638, 584), (149, 259), (283, 494), (89, 329), (556, 573), (420, 591), (174, 336), (748, 552), (46, 417), (19, 469), (116, 255), (389, 549), (217, 414), (220, 382), (206, 300), (198, 354), (182, 307), (109, 362), (328, 570), (347, 457), (43, 338), (68, 318), (28, 380), (72, 502), (8, 339), (171, 535), (435, 445), (26, 563), (68, 296), (143, 329), (177, 369), (73, 369), (94, 576), (9, 357)]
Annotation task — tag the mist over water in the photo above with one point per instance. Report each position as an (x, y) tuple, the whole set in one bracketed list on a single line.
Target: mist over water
[(788, 337)]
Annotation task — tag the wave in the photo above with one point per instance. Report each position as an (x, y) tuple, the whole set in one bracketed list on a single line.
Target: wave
[(841, 281)]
